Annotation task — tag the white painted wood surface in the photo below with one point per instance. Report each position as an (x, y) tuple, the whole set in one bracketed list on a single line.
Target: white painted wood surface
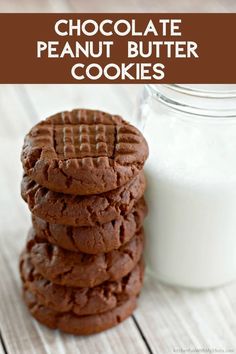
[(117, 5), (167, 319), (20, 107)]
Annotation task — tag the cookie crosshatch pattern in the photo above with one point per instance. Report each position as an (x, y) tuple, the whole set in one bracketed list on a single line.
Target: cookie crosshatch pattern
[(166, 320), (83, 152), (85, 141), (86, 243)]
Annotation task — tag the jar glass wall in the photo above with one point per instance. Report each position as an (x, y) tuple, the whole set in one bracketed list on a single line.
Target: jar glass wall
[(191, 172)]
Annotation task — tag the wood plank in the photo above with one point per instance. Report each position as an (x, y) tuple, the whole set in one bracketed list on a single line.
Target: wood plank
[(116, 6), (34, 6), (23, 335), (2, 346), (117, 99), (169, 318), (172, 318), (20, 332), (153, 6), (2, 350), (14, 118)]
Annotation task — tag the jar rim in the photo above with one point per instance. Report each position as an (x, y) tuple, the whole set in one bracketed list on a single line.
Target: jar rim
[(202, 90), (201, 100)]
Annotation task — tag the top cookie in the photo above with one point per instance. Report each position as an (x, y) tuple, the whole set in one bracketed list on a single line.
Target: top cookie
[(83, 152)]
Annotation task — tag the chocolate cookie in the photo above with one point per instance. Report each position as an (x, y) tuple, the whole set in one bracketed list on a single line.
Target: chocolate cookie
[(78, 269), (80, 325), (93, 239), (80, 301), (83, 152), (59, 208)]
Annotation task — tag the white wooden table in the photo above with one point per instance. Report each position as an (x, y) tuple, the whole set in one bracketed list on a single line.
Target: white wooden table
[(117, 5), (167, 320)]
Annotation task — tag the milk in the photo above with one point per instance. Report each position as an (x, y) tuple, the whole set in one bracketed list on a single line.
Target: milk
[(191, 173)]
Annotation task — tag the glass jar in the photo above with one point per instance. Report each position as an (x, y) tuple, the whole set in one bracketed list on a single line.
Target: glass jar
[(191, 173)]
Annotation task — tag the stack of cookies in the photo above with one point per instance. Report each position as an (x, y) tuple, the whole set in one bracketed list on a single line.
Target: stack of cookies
[(82, 267)]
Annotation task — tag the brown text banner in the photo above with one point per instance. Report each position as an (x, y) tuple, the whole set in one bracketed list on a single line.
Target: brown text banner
[(117, 48)]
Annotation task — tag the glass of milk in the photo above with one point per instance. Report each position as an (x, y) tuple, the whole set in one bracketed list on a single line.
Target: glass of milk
[(191, 173)]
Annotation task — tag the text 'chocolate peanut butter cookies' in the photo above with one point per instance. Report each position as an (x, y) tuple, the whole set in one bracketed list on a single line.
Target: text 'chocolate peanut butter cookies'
[(83, 152), (82, 267)]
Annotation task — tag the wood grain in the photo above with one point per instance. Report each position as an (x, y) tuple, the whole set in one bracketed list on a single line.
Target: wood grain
[(167, 319), (20, 332), (187, 319), (117, 6), (153, 6)]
